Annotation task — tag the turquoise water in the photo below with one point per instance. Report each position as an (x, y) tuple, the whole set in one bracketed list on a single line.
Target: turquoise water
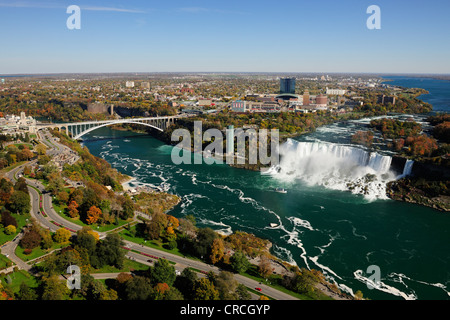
[(337, 232)]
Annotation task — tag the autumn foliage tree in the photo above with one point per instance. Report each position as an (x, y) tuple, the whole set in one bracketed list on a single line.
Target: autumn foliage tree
[(62, 235), (421, 145), (364, 138), (73, 209), (93, 215), (217, 250)]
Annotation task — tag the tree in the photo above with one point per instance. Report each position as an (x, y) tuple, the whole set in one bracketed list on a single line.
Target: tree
[(160, 291), (53, 288), (93, 215), (109, 252), (185, 283), (26, 170), (127, 209), (163, 272), (63, 197), (138, 288), (47, 241), (90, 199), (173, 294), (62, 235), (85, 239), (226, 285), (204, 240), (363, 137), (21, 185), (10, 230), (239, 262), (26, 154), (109, 294), (26, 293), (19, 202), (170, 234), (55, 183), (31, 239), (264, 267), (204, 290), (77, 196), (242, 292), (358, 295), (217, 250), (173, 222), (7, 219), (73, 209), (41, 149), (152, 230), (304, 281), (6, 190)]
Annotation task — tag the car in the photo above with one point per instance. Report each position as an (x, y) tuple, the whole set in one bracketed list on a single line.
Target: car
[(259, 289)]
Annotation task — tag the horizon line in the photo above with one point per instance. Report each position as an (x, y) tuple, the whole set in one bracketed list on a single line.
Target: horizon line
[(222, 72)]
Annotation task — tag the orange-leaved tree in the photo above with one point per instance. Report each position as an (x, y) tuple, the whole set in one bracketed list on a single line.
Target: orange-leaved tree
[(93, 215)]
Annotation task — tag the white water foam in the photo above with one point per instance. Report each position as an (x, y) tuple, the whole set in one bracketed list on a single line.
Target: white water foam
[(302, 223), (381, 286), (335, 166)]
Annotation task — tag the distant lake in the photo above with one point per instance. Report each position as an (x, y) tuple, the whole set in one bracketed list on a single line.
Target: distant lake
[(439, 96)]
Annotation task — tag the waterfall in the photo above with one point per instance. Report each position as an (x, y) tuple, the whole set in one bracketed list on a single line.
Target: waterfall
[(407, 169), (335, 166)]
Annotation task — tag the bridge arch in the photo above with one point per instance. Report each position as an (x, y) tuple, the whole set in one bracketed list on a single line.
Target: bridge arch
[(112, 123)]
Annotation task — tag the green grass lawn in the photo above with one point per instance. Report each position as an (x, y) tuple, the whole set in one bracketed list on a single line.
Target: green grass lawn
[(37, 252), (129, 265), (4, 262), (16, 279), (21, 222)]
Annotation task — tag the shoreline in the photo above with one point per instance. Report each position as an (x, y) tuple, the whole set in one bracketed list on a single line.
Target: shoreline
[(126, 184)]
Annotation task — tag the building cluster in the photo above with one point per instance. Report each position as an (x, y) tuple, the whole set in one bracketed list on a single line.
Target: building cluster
[(286, 100), (12, 124)]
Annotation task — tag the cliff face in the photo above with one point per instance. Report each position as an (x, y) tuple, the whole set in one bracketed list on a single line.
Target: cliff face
[(98, 108), (398, 164), (430, 171), (130, 112), (428, 185)]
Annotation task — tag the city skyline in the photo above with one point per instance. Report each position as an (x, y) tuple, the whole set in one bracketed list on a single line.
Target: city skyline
[(200, 36)]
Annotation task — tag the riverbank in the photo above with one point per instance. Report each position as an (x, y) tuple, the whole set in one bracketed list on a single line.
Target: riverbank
[(418, 192)]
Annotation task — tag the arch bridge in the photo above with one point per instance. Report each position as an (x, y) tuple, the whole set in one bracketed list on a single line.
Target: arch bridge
[(79, 129)]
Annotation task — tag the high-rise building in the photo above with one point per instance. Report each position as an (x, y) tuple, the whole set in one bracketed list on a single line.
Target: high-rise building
[(287, 85), (306, 98)]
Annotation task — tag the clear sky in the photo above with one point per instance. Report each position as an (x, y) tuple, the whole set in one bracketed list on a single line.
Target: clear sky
[(225, 36)]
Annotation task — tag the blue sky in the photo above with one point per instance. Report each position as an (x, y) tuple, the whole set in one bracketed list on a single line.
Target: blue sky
[(225, 36)]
